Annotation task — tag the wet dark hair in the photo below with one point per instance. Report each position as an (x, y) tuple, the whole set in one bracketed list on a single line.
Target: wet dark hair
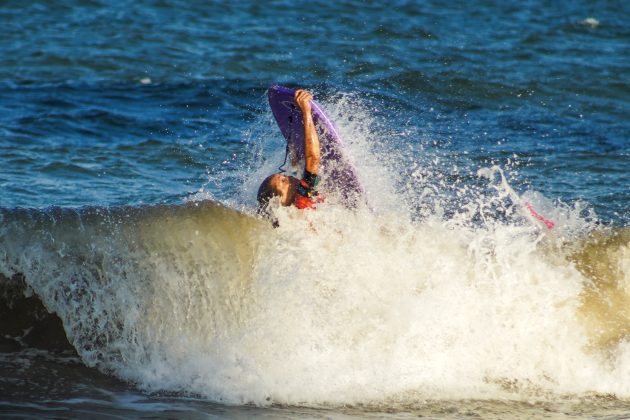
[(266, 192)]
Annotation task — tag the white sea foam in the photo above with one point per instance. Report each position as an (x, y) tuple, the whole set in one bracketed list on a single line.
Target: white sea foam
[(590, 21)]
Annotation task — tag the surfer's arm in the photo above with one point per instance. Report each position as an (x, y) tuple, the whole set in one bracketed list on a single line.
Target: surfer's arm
[(311, 140)]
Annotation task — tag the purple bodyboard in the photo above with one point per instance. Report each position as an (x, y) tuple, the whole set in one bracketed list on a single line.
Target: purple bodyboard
[(339, 176)]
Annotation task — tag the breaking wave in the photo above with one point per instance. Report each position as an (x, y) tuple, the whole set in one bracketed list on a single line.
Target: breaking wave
[(439, 287)]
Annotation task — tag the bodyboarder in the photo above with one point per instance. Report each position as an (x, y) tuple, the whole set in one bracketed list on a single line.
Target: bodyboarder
[(302, 193)]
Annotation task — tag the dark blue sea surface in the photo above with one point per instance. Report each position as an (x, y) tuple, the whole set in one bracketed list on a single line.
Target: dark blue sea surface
[(118, 118), (118, 102)]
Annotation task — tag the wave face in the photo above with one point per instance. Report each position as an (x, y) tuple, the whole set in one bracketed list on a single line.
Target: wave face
[(124, 280), (334, 306)]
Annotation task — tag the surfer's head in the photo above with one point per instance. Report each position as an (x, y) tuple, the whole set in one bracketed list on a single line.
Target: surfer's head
[(277, 185)]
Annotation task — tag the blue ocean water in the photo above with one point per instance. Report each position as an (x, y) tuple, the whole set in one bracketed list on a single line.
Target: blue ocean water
[(123, 124), (108, 103)]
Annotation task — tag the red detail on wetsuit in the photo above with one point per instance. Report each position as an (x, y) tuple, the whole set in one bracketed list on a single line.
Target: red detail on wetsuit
[(306, 196), (302, 202)]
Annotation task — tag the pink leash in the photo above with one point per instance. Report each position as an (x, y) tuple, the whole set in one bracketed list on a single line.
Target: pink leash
[(547, 222)]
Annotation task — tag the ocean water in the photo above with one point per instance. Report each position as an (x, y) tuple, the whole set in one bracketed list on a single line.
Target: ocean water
[(137, 280)]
